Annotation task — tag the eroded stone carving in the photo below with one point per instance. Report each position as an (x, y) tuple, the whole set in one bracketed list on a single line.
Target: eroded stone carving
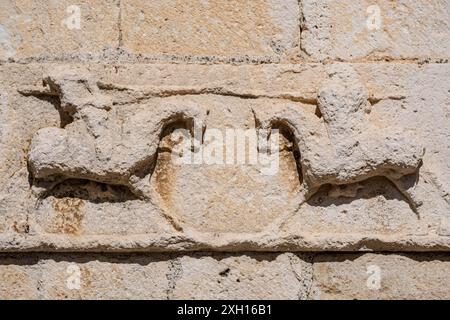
[(338, 144), (343, 147), (101, 145)]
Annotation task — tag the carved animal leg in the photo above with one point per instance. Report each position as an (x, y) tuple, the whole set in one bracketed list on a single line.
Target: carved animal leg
[(406, 186)]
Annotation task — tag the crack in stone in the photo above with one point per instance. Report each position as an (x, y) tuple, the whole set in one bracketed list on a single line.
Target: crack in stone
[(119, 26)]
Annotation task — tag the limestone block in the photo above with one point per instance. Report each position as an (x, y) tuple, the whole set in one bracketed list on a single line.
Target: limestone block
[(97, 169), (375, 30), (17, 126), (18, 278), (103, 277), (40, 276), (57, 29), (225, 276), (143, 276), (100, 146), (230, 30), (379, 276), (252, 276)]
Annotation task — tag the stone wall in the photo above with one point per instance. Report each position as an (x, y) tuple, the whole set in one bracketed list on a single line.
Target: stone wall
[(167, 149)]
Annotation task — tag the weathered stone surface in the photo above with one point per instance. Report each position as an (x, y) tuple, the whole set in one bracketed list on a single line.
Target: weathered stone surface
[(17, 278), (83, 277), (265, 30), (261, 276), (222, 149), (225, 276), (378, 276), (96, 161), (96, 276), (47, 30), (375, 30), (103, 277)]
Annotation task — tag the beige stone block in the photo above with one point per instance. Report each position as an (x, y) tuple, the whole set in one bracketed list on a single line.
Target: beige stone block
[(375, 30), (57, 29), (155, 276), (18, 278), (381, 276), (247, 276), (103, 277), (265, 29), (231, 207), (20, 116)]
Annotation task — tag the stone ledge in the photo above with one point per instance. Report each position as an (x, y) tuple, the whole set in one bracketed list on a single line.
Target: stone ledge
[(225, 243)]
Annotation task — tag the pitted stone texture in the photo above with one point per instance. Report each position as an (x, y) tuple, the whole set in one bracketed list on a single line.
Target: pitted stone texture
[(225, 276), (18, 278), (238, 30), (174, 188), (104, 277), (252, 276), (342, 101), (401, 276), (40, 276), (349, 30), (347, 209), (17, 126), (37, 29)]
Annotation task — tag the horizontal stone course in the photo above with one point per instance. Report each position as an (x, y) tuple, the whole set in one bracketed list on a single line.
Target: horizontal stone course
[(386, 277), (217, 31), (225, 276)]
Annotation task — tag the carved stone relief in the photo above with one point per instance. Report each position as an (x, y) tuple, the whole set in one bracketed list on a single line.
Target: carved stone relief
[(114, 152)]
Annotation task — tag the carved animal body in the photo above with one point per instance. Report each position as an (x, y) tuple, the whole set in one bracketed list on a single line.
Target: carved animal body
[(345, 148), (98, 145)]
